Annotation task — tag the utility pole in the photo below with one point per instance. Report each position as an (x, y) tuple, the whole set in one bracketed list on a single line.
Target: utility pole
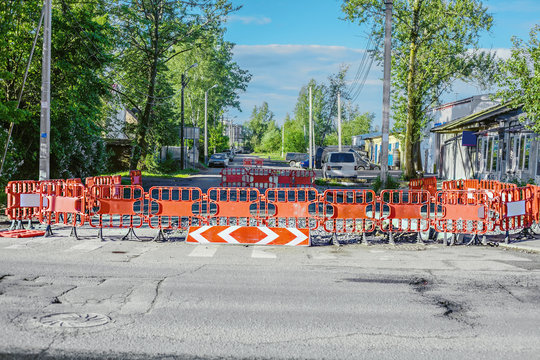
[(310, 132), (206, 124), (386, 90), (45, 119), (184, 82), (283, 139), (339, 119)]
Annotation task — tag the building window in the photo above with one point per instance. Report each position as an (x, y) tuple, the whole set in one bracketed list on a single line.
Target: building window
[(527, 153), (495, 152)]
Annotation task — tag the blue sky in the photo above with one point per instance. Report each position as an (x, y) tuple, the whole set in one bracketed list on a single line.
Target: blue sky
[(285, 43)]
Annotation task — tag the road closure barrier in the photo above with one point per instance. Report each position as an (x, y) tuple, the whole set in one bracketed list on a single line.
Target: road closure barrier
[(462, 207)]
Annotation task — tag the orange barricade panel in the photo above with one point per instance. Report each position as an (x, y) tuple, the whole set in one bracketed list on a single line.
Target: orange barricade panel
[(233, 206), (464, 212), (517, 208), (349, 211), (22, 200), (62, 203), (172, 207), (405, 211), (292, 207), (117, 206)]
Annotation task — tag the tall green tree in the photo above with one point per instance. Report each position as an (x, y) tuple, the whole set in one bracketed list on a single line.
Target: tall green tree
[(295, 140), (150, 34), (259, 123), (353, 123), (81, 42), (322, 125), (519, 77), (434, 43)]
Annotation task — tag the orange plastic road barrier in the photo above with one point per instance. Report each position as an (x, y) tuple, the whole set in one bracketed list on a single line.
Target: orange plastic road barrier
[(303, 178), (21, 233), (261, 178), (117, 206), (173, 207), (250, 235), (453, 185), (463, 212), (258, 162), (517, 208), (233, 206), (22, 199), (349, 211), (405, 211), (284, 177), (62, 203), (233, 177), (429, 184), (136, 177), (292, 208), (247, 162)]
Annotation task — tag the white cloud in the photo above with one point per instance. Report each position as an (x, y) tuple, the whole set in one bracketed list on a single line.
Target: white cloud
[(280, 71), (247, 20)]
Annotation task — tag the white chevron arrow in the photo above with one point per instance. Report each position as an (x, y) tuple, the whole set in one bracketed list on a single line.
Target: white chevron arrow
[(197, 234), (300, 236), (226, 235), (270, 235)]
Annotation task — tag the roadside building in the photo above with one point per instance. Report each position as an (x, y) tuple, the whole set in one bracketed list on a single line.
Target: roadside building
[(372, 143), (492, 143)]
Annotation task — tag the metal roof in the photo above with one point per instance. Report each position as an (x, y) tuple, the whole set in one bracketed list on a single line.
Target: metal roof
[(472, 122)]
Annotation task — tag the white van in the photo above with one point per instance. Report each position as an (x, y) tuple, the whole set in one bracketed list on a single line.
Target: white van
[(339, 164)]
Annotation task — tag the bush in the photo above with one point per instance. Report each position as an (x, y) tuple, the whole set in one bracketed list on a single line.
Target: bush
[(391, 183)]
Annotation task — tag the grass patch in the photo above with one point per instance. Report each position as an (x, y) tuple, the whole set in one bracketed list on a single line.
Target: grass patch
[(177, 174), (339, 182), (273, 156)]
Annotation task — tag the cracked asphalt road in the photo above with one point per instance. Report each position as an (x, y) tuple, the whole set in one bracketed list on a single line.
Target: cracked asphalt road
[(175, 300)]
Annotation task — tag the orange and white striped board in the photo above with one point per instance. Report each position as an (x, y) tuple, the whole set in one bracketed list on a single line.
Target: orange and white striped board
[(248, 235)]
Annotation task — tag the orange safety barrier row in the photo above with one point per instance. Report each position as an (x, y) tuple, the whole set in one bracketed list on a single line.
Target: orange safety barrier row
[(476, 208), (135, 177), (266, 178), (253, 162), (429, 184)]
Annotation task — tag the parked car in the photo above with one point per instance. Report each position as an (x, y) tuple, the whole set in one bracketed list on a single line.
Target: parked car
[(218, 160), (293, 158), (363, 163), (230, 154), (305, 164), (339, 164)]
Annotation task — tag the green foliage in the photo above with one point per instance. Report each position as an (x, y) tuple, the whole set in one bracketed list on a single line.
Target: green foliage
[(260, 121), (217, 142), (391, 183), (522, 183), (295, 141), (78, 87), (519, 78), (434, 43), (357, 124), (146, 44)]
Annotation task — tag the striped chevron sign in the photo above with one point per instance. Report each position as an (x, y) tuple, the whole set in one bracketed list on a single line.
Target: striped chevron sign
[(253, 235)]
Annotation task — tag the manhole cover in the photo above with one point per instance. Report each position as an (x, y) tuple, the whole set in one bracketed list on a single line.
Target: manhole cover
[(73, 320)]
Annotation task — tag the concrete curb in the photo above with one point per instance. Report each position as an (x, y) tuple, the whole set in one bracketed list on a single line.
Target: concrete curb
[(521, 247)]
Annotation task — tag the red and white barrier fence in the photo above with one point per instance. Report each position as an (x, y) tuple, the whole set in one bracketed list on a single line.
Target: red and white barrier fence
[(462, 207)]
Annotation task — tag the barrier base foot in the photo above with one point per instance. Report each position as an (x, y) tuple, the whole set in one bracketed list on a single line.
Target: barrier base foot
[(525, 234), (130, 235), (48, 231), (364, 239), (16, 225), (474, 241), (419, 239), (484, 240), (73, 233), (30, 226), (453, 240), (160, 237), (391, 238), (100, 234), (335, 241), (507, 237)]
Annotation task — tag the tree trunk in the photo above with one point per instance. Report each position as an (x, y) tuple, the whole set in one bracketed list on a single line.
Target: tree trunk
[(143, 122), (408, 164)]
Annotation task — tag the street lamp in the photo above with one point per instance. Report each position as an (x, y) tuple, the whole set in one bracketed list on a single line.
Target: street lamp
[(184, 84), (206, 124)]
